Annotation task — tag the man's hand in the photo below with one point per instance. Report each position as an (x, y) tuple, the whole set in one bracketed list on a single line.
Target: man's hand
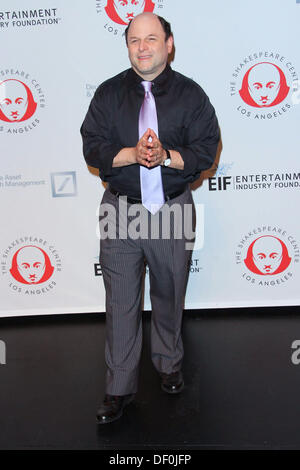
[(149, 150)]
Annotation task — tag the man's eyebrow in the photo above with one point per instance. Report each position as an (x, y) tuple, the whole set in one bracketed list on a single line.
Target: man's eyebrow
[(135, 37)]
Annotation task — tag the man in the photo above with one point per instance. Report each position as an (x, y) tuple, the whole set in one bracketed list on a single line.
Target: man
[(31, 265), (267, 255), (150, 131), (123, 11), (264, 85), (16, 101)]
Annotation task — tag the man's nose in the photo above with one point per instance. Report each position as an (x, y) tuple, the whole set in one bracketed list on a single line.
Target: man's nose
[(142, 45)]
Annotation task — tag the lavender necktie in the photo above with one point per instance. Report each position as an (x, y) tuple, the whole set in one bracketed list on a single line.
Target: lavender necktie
[(151, 181)]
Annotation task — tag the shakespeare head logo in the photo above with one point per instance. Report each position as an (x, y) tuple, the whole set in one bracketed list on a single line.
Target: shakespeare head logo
[(264, 85), (31, 265), (123, 11), (267, 255), (16, 101)]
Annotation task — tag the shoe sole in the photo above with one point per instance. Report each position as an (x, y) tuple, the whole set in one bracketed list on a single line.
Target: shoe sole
[(111, 420)]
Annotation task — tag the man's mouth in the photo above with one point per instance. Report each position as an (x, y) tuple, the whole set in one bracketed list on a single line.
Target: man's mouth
[(264, 99), (267, 268), (144, 57)]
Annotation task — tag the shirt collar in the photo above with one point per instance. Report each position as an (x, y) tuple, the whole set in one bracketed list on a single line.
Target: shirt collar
[(160, 84)]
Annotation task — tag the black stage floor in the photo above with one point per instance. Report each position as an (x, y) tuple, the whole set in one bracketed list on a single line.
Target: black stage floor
[(242, 388)]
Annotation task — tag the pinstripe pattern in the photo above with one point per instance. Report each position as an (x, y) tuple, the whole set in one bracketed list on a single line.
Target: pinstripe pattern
[(122, 263)]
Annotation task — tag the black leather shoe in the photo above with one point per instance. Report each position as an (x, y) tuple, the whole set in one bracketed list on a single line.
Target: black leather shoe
[(172, 383), (112, 407)]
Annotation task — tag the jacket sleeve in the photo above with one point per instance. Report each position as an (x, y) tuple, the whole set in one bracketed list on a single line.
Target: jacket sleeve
[(201, 139), (98, 148)]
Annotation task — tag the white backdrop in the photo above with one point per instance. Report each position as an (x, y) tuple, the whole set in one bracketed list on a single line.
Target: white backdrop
[(53, 56)]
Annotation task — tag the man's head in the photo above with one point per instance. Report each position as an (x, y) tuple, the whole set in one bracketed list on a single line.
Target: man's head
[(150, 41), (267, 255), (127, 10), (16, 101), (31, 265), (123, 11), (264, 85)]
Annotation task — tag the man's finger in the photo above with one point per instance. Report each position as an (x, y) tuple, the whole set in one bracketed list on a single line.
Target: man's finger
[(147, 133), (144, 143), (144, 138), (153, 134)]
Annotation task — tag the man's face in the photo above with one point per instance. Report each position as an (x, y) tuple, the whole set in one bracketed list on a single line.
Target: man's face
[(128, 9), (147, 48), (31, 264), (13, 99), (264, 84), (267, 254)]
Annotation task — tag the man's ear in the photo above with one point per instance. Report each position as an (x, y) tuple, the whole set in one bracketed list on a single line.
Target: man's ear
[(170, 43)]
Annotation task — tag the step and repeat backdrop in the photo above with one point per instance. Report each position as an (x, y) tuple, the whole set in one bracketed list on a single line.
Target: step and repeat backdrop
[(245, 55)]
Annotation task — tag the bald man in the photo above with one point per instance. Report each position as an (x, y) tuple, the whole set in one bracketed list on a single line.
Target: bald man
[(16, 101), (150, 131)]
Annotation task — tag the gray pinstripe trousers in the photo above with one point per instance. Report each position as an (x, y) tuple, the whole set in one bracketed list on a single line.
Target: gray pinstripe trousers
[(122, 263)]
